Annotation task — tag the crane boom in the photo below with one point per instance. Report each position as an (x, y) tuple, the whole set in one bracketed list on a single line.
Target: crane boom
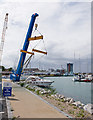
[(3, 36), (16, 75)]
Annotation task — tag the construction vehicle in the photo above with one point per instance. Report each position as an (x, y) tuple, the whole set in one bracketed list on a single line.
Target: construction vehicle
[(17, 74)]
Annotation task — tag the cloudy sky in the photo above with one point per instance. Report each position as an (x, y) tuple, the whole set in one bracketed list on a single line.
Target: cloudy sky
[(66, 27)]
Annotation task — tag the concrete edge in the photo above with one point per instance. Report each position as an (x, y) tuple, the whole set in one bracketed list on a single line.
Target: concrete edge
[(10, 113)]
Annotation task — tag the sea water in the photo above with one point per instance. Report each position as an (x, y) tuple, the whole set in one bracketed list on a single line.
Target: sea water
[(80, 91)]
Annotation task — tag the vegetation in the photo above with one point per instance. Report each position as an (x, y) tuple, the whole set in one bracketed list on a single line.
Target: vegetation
[(14, 118), (22, 84), (63, 100), (59, 103), (8, 69), (80, 113), (71, 111), (3, 68), (37, 92), (75, 107)]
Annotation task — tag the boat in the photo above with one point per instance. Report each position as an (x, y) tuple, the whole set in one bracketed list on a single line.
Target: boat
[(87, 78), (35, 80), (83, 78), (75, 78)]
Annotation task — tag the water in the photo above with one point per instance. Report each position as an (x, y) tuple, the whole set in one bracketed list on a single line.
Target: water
[(80, 91)]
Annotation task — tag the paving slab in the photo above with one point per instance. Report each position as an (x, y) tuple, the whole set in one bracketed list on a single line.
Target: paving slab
[(27, 105)]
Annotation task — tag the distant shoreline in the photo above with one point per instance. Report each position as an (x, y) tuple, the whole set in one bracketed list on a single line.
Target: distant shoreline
[(55, 75)]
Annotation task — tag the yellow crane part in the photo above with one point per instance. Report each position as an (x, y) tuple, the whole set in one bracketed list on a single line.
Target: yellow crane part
[(39, 51), (36, 25), (27, 52), (36, 38)]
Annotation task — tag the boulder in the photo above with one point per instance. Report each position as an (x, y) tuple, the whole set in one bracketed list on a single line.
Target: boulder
[(77, 103), (81, 107), (49, 91), (72, 100), (53, 96), (62, 96), (89, 108), (64, 99), (68, 99), (41, 92)]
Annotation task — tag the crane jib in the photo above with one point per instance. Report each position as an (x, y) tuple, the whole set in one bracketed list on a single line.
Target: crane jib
[(18, 72)]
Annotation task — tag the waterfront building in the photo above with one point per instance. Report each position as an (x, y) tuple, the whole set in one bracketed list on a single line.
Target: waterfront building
[(70, 68)]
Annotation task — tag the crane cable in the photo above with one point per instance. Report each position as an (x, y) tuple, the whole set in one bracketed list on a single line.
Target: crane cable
[(29, 59), (36, 25)]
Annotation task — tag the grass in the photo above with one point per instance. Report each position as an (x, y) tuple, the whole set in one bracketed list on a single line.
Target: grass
[(70, 104), (59, 100), (75, 107), (30, 89), (63, 107), (59, 103), (80, 113), (71, 112)]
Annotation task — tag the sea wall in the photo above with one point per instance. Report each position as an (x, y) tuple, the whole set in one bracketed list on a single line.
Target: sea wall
[(66, 104)]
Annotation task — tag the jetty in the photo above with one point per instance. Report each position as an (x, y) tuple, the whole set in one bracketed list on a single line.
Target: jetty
[(24, 104)]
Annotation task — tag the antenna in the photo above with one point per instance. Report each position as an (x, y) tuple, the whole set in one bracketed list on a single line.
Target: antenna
[(79, 64), (74, 63)]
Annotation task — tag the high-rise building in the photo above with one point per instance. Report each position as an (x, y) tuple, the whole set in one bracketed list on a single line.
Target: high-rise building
[(70, 68)]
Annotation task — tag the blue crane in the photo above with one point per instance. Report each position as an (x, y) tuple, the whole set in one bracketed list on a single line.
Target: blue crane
[(16, 74)]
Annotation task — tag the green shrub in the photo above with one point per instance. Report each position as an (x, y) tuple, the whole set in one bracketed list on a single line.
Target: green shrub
[(37, 92), (75, 107), (22, 84)]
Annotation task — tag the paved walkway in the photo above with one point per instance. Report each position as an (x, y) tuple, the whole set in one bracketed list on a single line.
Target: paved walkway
[(27, 105)]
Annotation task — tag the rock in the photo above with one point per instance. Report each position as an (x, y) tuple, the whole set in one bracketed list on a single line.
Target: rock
[(53, 96), (49, 91), (77, 103), (41, 92), (56, 96), (81, 107), (83, 104), (64, 99), (89, 108), (26, 85), (62, 96), (72, 100), (68, 99), (59, 95)]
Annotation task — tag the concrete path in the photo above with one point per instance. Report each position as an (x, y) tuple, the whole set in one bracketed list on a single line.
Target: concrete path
[(27, 105)]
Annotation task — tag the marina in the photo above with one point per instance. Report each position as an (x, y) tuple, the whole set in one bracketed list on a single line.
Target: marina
[(80, 91), (36, 82)]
